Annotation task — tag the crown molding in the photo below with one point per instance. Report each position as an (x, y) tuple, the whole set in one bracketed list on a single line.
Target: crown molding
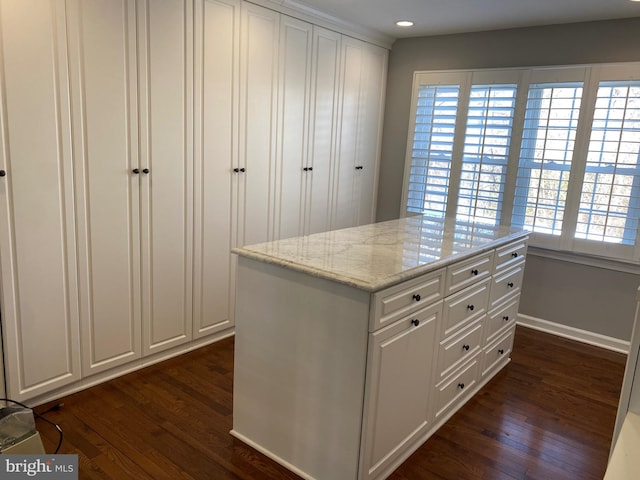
[(309, 14)]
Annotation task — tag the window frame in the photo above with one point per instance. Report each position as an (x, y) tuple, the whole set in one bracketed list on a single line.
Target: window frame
[(591, 76)]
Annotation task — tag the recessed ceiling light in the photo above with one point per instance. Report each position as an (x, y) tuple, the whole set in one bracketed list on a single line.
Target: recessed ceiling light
[(407, 23)]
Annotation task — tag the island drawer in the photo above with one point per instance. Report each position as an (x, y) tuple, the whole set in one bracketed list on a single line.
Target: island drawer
[(510, 254), (497, 353), (506, 285), (451, 391), (462, 346), (463, 274), (501, 318), (463, 307), (395, 302)]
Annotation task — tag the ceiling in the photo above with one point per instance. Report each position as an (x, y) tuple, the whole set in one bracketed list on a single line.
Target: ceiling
[(437, 17)]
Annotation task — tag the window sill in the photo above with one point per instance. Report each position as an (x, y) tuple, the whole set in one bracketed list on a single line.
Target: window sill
[(584, 259)]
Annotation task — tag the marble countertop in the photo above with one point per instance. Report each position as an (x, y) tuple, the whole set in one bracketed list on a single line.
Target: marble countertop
[(379, 255)]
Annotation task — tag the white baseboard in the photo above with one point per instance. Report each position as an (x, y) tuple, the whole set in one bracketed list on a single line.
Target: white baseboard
[(573, 333)]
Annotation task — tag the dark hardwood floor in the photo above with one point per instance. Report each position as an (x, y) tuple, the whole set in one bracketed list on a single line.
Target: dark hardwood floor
[(548, 415)]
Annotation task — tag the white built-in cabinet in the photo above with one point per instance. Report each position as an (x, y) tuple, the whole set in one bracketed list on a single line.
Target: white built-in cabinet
[(311, 117), (38, 280), (321, 153), (362, 90), (292, 167), (141, 141), (133, 157), (365, 376), (216, 92), (258, 117), (108, 194)]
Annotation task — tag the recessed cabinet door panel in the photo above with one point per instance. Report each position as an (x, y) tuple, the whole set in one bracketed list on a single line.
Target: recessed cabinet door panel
[(344, 212), (105, 118), (399, 385), (370, 131), (258, 117), (362, 100), (216, 97), (165, 34), (324, 114), (37, 234), (295, 69)]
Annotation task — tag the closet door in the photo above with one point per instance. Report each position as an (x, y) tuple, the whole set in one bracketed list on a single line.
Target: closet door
[(370, 112), (38, 295), (362, 94), (259, 36), (292, 168), (216, 154), (104, 84), (325, 86), (165, 35), (344, 212)]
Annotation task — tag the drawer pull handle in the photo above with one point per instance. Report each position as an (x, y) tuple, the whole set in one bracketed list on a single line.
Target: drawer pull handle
[(510, 284), (514, 254), (3, 173), (501, 352), (465, 347), (506, 318), (416, 297), (470, 307), (415, 322), (461, 386), (474, 271)]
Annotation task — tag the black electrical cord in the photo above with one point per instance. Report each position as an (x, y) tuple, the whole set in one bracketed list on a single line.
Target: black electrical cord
[(55, 425)]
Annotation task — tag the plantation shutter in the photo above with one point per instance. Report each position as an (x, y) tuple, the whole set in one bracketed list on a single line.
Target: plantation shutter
[(486, 152)]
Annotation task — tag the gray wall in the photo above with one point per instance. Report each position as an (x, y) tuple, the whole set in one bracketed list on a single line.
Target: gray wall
[(590, 42)]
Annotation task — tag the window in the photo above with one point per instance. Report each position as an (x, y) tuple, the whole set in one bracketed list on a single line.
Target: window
[(435, 120), (486, 152), (548, 139), (474, 143), (610, 197), (555, 151)]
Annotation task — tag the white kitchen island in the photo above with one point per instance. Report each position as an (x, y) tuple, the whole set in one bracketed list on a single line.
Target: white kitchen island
[(353, 346)]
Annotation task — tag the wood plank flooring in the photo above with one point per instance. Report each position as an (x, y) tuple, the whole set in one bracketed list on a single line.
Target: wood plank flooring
[(548, 415)]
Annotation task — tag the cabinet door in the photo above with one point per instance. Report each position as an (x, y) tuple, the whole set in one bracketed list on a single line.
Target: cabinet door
[(104, 86), (292, 168), (399, 384), (370, 111), (259, 37), (38, 286), (322, 139), (216, 153), (344, 212), (363, 90), (165, 36)]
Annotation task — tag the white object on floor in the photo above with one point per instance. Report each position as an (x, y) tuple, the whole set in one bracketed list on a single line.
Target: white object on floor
[(625, 461)]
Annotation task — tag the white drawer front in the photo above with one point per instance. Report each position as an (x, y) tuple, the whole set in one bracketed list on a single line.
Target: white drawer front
[(454, 351), (463, 274), (452, 391), (500, 319), (463, 307), (506, 285), (395, 302), (509, 255), (497, 354)]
